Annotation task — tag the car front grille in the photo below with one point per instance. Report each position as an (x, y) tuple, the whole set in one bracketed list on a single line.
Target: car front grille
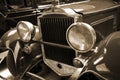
[(53, 27)]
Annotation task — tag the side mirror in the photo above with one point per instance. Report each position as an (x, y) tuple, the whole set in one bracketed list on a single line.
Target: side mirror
[(81, 37), (25, 30)]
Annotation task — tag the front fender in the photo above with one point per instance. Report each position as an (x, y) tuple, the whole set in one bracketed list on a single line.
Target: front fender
[(9, 37)]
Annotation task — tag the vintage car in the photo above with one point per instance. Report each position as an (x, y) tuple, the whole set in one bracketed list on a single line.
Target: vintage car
[(72, 40)]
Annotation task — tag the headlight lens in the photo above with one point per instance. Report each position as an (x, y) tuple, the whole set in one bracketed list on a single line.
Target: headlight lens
[(81, 36), (25, 29)]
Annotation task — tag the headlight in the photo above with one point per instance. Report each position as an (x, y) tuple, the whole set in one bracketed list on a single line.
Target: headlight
[(25, 30), (81, 36)]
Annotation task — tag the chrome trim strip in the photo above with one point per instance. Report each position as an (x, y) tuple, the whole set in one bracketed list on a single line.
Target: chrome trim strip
[(90, 12), (72, 3)]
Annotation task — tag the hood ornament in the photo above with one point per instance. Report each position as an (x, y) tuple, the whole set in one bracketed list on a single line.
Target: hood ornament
[(54, 3)]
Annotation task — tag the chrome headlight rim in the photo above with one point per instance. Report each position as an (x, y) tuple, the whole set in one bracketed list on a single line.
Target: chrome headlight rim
[(28, 26), (89, 28)]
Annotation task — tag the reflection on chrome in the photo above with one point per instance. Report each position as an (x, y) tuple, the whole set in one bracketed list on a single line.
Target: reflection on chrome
[(5, 73)]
